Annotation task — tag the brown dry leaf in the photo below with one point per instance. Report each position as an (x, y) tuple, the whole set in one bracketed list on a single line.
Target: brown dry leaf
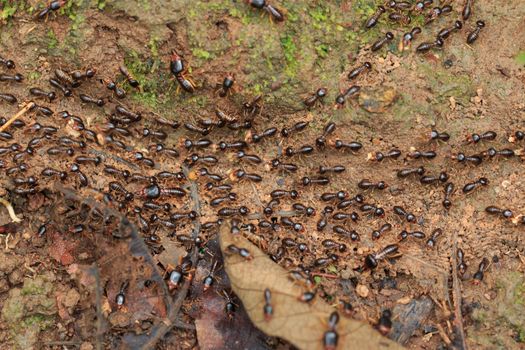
[(300, 323), (171, 254)]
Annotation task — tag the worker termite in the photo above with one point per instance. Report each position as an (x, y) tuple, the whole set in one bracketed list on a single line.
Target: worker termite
[(376, 234), (243, 252), (431, 242), (372, 260), (471, 186), (473, 36), (208, 280), (374, 19), (384, 325), (381, 42), (330, 337), (449, 189), (462, 266), (478, 276)]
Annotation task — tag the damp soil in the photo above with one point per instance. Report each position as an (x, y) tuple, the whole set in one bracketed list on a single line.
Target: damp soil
[(63, 266)]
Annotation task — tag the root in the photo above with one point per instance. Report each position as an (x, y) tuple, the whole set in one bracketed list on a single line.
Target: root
[(10, 210)]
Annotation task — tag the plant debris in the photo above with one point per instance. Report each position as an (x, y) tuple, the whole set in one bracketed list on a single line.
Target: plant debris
[(301, 323)]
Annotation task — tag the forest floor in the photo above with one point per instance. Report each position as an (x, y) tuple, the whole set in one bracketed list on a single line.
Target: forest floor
[(63, 266)]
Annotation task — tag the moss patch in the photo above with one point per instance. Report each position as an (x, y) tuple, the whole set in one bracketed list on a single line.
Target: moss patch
[(29, 310)]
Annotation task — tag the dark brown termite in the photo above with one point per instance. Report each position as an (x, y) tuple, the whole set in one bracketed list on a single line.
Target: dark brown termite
[(478, 276), (372, 260), (473, 36), (431, 242), (381, 42), (374, 19)]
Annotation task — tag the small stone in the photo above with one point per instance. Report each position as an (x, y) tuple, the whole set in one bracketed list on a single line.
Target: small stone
[(86, 346), (347, 273), (72, 298), (16, 277), (4, 286), (404, 300), (119, 319), (362, 290)]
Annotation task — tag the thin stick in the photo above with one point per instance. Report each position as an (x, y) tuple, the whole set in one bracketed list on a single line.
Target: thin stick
[(18, 115), (456, 296), (100, 333), (159, 331), (63, 343)]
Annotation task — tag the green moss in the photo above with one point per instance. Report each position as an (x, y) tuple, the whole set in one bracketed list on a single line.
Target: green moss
[(319, 14), (101, 4), (519, 294), (33, 287), (332, 269), (520, 335), (70, 8), (52, 39), (145, 4), (152, 86), (34, 76), (317, 279), (479, 315), (289, 51), (39, 320), (9, 9), (153, 45), (364, 8), (76, 22), (520, 58), (201, 54), (12, 312), (445, 84), (417, 21), (292, 16), (215, 6), (322, 50), (235, 12)]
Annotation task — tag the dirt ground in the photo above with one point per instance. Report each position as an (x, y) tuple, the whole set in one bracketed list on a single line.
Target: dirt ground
[(77, 249)]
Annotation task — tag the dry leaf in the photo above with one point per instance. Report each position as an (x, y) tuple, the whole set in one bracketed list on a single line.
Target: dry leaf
[(300, 323)]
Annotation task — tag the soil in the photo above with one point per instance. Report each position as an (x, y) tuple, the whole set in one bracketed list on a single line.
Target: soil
[(77, 249)]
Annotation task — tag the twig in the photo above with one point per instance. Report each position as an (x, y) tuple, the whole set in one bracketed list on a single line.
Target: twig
[(443, 334), (62, 343), (282, 213), (10, 210), (136, 246), (159, 331), (115, 158), (17, 115), (182, 325), (99, 334), (194, 193), (456, 296)]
